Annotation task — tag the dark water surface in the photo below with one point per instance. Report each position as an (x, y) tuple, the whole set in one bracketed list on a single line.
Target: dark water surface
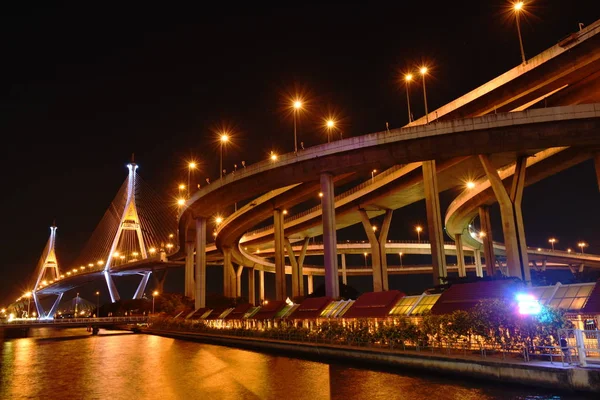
[(72, 364)]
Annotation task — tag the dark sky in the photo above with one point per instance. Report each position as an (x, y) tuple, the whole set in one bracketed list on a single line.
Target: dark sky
[(84, 86)]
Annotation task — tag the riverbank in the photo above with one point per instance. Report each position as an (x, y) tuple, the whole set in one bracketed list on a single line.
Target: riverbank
[(534, 373)]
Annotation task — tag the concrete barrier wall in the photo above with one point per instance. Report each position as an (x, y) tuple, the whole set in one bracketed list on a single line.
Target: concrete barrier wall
[(569, 379)]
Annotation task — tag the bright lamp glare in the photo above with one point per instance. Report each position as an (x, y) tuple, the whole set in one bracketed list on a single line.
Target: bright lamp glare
[(528, 305)]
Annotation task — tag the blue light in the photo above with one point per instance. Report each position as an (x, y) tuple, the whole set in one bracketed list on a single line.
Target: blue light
[(528, 305)]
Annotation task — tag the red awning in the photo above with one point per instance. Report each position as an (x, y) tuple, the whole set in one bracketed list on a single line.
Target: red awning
[(239, 311), (311, 308), (592, 306), (374, 304), (199, 312), (464, 296), (269, 310)]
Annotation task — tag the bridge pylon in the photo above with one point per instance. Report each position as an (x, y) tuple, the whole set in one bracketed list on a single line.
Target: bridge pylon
[(48, 271), (130, 221)]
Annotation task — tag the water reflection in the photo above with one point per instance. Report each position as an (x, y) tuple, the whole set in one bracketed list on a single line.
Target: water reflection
[(72, 364)]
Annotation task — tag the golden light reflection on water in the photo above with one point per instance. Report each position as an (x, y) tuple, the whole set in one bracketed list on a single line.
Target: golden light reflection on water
[(76, 365)]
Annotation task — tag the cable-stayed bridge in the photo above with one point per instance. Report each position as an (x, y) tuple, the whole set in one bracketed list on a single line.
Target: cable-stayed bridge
[(136, 233)]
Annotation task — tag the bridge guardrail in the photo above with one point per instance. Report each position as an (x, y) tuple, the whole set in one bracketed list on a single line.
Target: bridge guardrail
[(73, 321)]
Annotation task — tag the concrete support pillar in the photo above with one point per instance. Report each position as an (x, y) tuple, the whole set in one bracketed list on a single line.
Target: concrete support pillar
[(189, 270), (460, 255), (544, 265), (332, 287), (159, 278), (251, 287), (487, 239), (226, 272), (478, 267), (344, 276), (434, 221), (238, 281), (310, 283), (297, 263), (200, 281), (597, 165), (261, 285), (280, 289), (378, 255), (517, 259)]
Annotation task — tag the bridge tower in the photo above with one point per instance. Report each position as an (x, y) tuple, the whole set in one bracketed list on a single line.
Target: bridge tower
[(130, 221), (48, 271)]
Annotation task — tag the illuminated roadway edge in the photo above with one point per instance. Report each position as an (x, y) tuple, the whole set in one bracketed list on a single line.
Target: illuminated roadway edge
[(510, 132)]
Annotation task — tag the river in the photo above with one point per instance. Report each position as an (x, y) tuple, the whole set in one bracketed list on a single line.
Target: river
[(72, 364)]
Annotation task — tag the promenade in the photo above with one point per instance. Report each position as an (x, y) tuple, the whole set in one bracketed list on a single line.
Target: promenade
[(500, 367)]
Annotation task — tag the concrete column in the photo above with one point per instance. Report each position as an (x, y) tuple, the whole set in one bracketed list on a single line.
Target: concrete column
[(344, 277), (543, 265), (487, 239), (310, 283), (383, 235), (238, 281), (378, 255), (229, 274), (375, 256), (297, 276), (332, 288), (251, 287), (189, 270), (280, 289), (261, 285), (478, 267), (512, 219), (200, 281), (434, 221), (460, 255), (597, 165)]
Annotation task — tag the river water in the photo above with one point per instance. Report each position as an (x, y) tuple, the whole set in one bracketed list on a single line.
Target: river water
[(72, 364)]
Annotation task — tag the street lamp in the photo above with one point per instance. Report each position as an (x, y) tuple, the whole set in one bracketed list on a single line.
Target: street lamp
[(470, 185), (154, 294), (365, 254), (400, 254), (223, 139), (418, 229), (97, 304), (407, 80), (191, 166), (373, 175), (582, 245), (517, 7), (330, 124), (297, 104), (423, 71), (552, 241)]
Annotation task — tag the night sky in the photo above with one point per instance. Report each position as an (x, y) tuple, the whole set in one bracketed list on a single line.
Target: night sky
[(84, 86)]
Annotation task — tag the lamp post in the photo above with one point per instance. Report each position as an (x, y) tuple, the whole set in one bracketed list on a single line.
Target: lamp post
[(373, 175), (418, 229), (98, 304), (423, 71), (297, 106), (518, 6), (582, 245), (365, 254), (191, 166), (223, 139), (400, 254), (552, 241), (407, 80), (154, 294), (330, 125)]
